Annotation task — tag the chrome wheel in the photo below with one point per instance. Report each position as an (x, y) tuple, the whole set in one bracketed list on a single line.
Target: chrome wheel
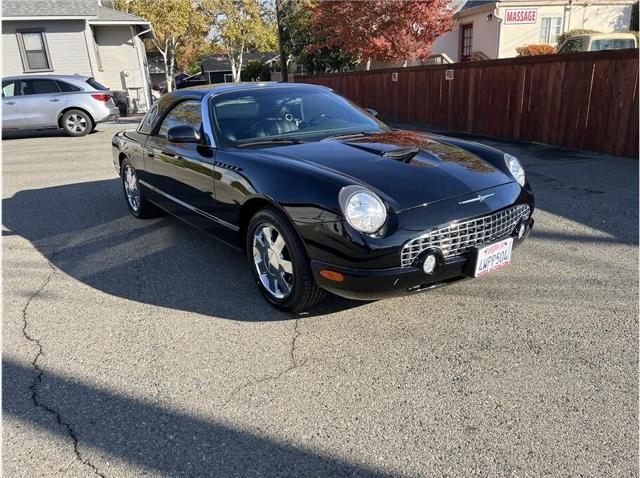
[(131, 188), (272, 261), (76, 123)]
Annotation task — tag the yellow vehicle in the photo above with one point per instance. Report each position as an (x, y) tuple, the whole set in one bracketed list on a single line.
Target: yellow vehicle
[(599, 41)]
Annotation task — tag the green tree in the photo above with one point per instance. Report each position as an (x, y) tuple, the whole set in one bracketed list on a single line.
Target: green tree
[(174, 23), (240, 26), (298, 37)]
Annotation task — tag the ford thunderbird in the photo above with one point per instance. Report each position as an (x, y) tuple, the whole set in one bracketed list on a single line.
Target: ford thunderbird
[(321, 195)]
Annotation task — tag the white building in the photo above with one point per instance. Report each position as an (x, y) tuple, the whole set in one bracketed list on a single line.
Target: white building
[(494, 29), (85, 37)]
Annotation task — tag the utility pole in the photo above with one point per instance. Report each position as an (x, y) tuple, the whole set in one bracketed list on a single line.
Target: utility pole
[(283, 56)]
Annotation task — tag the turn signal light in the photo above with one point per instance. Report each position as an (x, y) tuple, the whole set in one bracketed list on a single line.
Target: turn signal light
[(332, 275), (101, 97)]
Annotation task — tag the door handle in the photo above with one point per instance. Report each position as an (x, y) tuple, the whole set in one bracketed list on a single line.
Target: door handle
[(9, 102), (54, 100), (150, 154)]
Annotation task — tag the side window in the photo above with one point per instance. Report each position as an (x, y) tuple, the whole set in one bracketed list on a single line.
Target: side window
[(611, 44), (572, 46), (8, 89), (38, 87), (185, 113), (67, 87)]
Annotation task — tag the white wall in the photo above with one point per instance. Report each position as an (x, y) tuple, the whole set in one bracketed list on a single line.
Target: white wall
[(116, 47), (66, 41), (448, 44), (604, 18), (517, 35), (601, 17), (485, 33)]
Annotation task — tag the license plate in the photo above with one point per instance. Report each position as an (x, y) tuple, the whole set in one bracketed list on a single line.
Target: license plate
[(493, 257)]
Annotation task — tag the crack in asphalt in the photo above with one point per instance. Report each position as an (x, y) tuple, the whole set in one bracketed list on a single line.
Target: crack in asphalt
[(40, 371), (295, 363)]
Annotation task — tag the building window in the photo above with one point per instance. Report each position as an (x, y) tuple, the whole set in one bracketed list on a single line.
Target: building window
[(466, 45), (228, 78), (551, 30)]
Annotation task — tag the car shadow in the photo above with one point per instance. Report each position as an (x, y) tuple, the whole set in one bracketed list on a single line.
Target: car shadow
[(161, 440), (86, 231), (35, 133)]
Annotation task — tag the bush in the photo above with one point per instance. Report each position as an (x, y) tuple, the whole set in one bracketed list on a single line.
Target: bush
[(535, 50), (574, 32)]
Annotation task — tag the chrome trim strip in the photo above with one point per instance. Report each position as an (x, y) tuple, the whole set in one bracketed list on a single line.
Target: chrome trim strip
[(480, 198), (207, 124), (190, 207)]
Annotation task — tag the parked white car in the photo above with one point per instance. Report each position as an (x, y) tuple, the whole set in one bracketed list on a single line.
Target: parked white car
[(70, 102), (598, 41)]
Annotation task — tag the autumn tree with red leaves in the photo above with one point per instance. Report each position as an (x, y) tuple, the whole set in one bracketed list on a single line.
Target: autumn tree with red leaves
[(380, 30)]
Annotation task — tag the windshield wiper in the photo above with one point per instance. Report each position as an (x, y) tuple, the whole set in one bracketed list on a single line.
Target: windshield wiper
[(350, 135), (270, 141)]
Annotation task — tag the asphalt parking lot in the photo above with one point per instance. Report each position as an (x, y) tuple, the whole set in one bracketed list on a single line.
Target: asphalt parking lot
[(141, 348)]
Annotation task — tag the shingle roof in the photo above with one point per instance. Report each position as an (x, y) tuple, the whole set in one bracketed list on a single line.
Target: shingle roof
[(110, 15), (220, 62), (49, 8), (476, 3)]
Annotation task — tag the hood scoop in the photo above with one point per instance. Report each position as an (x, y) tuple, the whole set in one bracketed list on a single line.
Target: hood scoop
[(405, 154)]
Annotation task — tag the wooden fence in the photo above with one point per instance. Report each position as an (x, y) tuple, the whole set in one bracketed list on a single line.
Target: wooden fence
[(585, 101)]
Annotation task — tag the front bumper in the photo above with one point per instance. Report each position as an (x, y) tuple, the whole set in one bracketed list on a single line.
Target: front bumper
[(373, 284)]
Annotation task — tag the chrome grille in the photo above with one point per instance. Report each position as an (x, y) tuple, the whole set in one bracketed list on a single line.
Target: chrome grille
[(457, 238)]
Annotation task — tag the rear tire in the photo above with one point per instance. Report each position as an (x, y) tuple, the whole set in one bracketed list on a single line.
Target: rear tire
[(279, 263), (137, 203), (76, 123)]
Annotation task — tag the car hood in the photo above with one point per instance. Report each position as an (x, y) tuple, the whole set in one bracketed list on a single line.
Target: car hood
[(410, 168)]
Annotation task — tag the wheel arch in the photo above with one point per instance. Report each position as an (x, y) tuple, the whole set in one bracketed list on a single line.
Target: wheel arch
[(250, 207), (121, 158), (69, 108)]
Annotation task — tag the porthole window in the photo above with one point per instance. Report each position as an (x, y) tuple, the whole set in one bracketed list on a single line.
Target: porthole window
[(146, 125), (152, 115)]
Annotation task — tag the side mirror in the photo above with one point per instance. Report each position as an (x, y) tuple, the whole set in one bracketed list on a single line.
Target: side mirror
[(372, 112), (183, 134)]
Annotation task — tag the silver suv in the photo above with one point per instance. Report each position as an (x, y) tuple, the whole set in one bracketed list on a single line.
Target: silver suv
[(71, 102)]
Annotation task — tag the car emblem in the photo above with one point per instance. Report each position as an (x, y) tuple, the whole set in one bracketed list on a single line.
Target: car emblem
[(480, 198)]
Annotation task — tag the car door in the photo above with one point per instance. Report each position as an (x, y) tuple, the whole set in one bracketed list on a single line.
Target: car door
[(181, 175), (11, 116), (41, 102)]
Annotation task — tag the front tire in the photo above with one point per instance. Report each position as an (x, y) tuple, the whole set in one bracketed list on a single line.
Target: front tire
[(137, 203), (76, 123), (279, 263)]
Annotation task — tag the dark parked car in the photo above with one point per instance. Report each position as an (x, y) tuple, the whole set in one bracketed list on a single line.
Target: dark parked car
[(321, 195)]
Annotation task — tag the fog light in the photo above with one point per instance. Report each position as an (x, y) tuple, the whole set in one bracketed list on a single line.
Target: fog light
[(522, 228), (429, 264)]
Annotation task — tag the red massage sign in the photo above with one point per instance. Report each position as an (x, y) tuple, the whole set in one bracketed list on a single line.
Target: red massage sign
[(520, 15)]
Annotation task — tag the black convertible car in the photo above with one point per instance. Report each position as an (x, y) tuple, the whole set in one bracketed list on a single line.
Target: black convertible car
[(320, 194)]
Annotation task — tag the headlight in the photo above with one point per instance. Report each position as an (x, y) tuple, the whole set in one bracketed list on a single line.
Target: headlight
[(515, 166), (362, 208)]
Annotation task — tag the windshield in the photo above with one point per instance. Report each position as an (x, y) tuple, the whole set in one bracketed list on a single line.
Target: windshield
[(272, 115)]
